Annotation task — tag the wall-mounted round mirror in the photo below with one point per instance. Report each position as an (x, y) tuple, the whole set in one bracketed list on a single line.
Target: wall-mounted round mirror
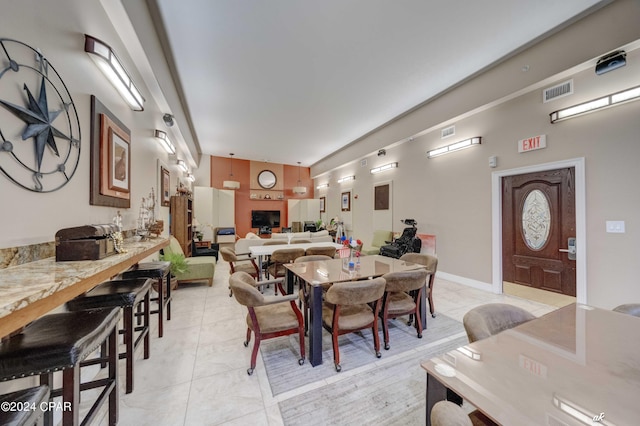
[(267, 179)]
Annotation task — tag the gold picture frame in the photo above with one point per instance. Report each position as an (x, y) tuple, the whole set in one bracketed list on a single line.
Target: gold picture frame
[(165, 184)]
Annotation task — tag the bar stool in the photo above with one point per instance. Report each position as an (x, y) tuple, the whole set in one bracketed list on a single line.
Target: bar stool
[(60, 342), (161, 272), (132, 296), (26, 406)]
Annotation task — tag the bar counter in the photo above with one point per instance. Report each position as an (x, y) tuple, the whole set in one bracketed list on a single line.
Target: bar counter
[(33, 289)]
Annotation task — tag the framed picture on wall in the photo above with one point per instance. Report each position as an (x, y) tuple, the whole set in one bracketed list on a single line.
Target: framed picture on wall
[(165, 184), (346, 201), (110, 178), (381, 197), (323, 207)]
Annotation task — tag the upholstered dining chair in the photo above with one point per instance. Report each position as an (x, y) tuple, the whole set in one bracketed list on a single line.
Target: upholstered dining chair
[(278, 259), (446, 413), (326, 251), (492, 318), (346, 310), (268, 316), (239, 263), (629, 308), (303, 293), (402, 296), (431, 263)]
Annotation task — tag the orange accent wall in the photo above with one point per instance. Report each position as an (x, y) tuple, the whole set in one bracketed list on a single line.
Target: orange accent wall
[(220, 169)]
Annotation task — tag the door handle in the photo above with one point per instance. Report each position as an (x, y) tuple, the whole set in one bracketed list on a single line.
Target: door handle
[(571, 243)]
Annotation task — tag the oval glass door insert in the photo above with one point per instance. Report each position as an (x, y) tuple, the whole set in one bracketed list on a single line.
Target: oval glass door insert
[(536, 219)]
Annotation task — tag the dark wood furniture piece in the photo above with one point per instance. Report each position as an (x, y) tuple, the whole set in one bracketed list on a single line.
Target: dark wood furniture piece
[(67, 339), (181, 208), (202, 244), (132, 296), (161, 272)]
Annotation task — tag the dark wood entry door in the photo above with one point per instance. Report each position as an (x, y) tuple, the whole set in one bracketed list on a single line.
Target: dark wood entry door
[(538, 219)]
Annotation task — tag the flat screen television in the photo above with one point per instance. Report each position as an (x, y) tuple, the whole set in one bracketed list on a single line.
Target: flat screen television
[(260, 218)]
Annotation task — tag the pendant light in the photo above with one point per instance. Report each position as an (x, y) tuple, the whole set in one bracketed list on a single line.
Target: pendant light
[(299, 189), (231, 184)]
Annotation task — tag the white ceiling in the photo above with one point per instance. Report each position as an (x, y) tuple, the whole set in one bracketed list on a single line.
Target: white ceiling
[(295, 80)]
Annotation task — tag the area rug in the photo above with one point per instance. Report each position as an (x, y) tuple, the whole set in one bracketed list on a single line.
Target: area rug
[(356, 351)]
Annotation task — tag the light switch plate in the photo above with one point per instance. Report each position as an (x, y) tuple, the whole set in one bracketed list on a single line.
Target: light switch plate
[(615, 226)]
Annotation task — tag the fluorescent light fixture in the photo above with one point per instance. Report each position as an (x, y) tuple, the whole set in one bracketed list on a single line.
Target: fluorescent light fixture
[(469, 352), (386, 167), (190, 177), (322, 186), (165, 142), (183, 166), (467, 143), (579, 413), (628, 95), (346, 179), (112, 68)]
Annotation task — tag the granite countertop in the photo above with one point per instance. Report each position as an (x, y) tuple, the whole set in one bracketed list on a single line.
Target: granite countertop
[(23, 285)]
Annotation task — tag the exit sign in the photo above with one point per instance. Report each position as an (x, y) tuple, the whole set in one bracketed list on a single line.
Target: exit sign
[(532, 143)]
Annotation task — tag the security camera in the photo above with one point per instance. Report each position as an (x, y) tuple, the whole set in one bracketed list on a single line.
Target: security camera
[(168, 120), (382, 153)]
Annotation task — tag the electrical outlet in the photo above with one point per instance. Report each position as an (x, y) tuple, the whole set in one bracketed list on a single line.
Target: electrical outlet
[(615, 226)]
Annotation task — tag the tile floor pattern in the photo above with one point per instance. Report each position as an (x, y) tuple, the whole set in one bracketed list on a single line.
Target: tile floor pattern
[(197, 373)]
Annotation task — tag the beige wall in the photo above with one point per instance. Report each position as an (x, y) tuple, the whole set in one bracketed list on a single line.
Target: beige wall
[(450, 196), (57, 29)]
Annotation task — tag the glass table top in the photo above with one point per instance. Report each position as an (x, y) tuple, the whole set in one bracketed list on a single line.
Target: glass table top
[(564, 368)]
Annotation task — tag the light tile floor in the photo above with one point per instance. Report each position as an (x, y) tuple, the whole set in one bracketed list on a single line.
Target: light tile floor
[(196, 374)]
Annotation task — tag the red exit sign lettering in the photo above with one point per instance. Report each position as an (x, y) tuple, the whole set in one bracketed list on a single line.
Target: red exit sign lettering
[(532, 366), (532, 143)]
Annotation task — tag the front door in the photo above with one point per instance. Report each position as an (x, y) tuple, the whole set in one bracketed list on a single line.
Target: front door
[(538, 221)]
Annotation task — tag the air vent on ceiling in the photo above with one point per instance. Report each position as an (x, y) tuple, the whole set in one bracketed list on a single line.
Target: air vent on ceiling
[(448, 131), (363, 163), (557, 91)]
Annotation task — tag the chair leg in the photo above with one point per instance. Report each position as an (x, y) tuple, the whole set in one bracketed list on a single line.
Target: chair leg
[(71, 395), (146, 323), (113, 375), (376, 336), (254, 354), (431, 306), (128, 342), (248, 339), (336, 350), (47, 379), (160, 306)]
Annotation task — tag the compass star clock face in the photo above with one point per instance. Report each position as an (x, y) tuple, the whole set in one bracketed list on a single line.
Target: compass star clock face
[(39, 125)]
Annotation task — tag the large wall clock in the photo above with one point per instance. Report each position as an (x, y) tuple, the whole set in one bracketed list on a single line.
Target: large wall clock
[(39, 125)]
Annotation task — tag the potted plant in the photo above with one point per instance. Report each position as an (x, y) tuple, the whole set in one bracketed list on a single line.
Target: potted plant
[(178, 262)]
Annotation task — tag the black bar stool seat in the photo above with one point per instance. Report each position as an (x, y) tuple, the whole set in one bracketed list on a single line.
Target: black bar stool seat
[(59, 342), (29, 408), (160, 271), (132, 296)]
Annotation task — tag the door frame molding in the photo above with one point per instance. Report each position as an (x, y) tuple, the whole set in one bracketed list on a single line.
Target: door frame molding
[(581, 222)]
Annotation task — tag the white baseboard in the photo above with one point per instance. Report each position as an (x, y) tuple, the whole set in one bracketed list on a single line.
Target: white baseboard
[(465, 281)]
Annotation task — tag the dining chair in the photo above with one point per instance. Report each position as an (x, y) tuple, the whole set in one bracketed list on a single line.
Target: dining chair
[(492, 318), (446, 413), (346, 309), (402, 296), (318, 250), (303, 292), (629, 308), (431, 263), (278, 259), (237, 263), (268, 316)]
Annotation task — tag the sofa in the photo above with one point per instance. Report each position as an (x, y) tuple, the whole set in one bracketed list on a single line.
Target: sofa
[(251, 239), (200, 268)]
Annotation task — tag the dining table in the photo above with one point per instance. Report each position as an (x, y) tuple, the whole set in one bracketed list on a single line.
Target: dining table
[(576, 365), (262, 251), (316, 274)]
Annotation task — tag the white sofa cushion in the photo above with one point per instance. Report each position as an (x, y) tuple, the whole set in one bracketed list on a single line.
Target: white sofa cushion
[(298, 235)]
